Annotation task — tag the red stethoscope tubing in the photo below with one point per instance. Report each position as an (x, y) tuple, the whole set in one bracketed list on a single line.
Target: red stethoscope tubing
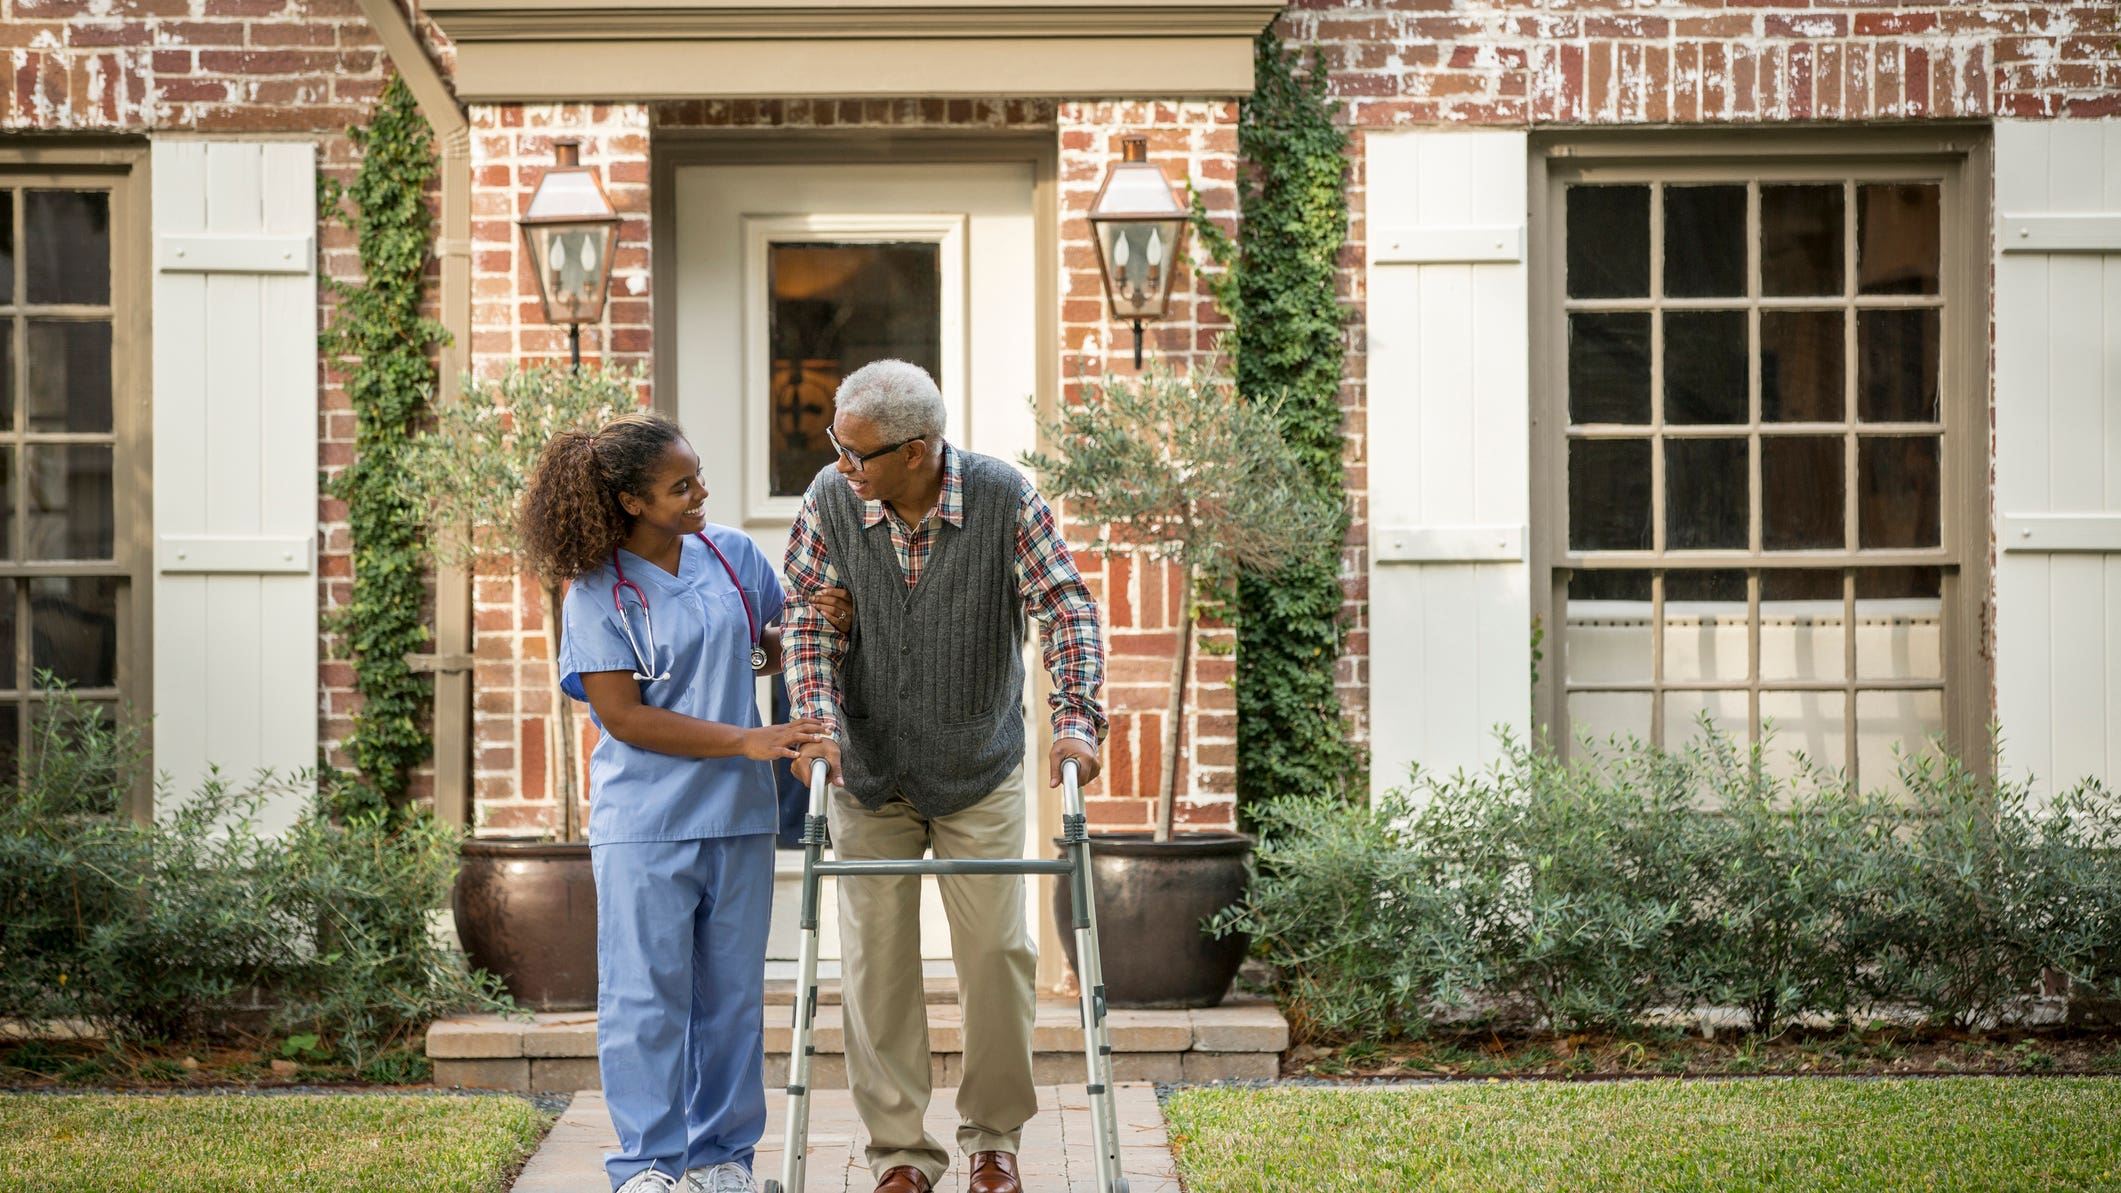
[(751, 622)]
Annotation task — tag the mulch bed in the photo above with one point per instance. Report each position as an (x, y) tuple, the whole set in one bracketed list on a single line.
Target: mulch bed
[(1880, 1052)]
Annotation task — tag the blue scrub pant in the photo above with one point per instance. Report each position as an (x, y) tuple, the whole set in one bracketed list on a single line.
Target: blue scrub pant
[(681, 992)]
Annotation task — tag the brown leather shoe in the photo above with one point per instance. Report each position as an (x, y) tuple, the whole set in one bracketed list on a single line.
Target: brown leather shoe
[(994, 1172), (903, 1179)]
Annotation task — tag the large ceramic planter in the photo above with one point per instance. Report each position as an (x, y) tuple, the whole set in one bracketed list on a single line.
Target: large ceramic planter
[(1152, 897), (527, 912)]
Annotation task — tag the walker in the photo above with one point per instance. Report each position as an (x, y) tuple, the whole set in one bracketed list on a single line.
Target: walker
[(1097, 1041)]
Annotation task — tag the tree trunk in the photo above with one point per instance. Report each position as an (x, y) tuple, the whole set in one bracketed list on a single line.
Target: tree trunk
[(1175, 712), (560, 768)]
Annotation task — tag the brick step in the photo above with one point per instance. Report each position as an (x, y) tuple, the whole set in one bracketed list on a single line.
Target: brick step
[(1241, 1038)]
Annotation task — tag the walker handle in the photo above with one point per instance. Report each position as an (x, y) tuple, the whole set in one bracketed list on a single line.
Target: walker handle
[(819, 769), (1071, 785)]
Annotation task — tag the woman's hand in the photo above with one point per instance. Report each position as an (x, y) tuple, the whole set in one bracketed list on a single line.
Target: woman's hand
[(836, 606), (782, 741)]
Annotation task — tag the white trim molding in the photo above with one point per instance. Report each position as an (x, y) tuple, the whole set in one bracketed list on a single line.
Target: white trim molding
[(2057, 534)]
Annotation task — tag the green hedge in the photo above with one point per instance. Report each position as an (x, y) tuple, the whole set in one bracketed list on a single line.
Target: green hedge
[(1583, 894), (198, 924)]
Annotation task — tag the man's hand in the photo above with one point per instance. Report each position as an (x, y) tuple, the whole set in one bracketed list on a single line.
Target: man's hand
[(1065, 748), (824, 748)]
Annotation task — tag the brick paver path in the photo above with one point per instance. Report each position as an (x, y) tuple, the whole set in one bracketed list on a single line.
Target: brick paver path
[(1055, 1157)]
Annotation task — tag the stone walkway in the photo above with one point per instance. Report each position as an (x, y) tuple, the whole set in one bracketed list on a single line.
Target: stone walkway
[(1055, 1157)]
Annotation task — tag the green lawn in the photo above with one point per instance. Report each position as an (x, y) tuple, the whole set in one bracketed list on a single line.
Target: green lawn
[(346, 1144), (1768, 1134)]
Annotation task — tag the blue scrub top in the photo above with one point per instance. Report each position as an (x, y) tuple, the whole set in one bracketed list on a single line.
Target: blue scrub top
[(702, 637)]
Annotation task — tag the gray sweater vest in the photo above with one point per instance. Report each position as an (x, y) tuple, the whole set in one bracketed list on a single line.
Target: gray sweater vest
[(932, 684)]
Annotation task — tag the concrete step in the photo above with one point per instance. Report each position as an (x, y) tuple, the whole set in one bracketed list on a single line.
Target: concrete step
[(1242, 1038)]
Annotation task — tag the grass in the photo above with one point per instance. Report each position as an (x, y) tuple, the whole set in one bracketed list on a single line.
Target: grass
[(348, 1144), (1767, 1134)]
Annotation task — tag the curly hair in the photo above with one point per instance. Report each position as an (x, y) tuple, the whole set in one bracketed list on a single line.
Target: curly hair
[(570, 519)]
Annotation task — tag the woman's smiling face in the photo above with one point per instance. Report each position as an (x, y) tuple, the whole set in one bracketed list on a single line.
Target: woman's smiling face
[(674, 500)]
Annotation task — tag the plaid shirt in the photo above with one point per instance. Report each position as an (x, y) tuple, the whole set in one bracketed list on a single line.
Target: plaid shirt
[(1052, 590)]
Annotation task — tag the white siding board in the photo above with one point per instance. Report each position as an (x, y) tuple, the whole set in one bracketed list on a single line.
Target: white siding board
[(1448, 420), (2058, 454), (235, 457)]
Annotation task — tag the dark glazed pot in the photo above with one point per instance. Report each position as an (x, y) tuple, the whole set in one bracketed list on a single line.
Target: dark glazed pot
[(1152, 897), (527, 912)]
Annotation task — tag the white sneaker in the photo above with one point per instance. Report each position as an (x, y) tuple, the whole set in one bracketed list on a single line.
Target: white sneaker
[(648, 1180), (722, 1178)]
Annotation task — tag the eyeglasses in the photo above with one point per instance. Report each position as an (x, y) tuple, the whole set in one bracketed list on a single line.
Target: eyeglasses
[(854, 459)]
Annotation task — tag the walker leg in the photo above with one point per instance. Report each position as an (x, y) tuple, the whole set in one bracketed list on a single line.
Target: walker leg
[(1090, 977), (795, 1139)]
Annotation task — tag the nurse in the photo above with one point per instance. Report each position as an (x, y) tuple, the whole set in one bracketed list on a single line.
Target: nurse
[(666, 622)]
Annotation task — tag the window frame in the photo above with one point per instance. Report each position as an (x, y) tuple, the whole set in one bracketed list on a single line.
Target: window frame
[(1957, 154), (122, 170)]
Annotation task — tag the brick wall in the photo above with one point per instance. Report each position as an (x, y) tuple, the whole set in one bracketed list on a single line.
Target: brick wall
[(1194, 143)]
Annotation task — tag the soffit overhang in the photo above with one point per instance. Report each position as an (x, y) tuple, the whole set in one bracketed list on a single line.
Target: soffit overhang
[(550, 50)]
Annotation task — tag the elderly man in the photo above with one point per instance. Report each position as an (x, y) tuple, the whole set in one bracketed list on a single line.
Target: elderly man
[(943, 551)]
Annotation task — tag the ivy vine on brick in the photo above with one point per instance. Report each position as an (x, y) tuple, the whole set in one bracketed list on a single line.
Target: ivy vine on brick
[(381, 342), (1277, 287)]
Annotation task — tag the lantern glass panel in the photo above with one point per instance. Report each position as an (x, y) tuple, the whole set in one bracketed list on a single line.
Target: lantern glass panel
[(1138, 258)]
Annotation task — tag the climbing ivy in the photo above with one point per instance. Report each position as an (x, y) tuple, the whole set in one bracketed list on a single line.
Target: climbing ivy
[(382, 342), (1277, 288)]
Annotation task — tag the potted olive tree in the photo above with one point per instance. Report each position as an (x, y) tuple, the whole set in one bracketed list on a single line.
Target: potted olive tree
[(525, 906), (1174, 468)]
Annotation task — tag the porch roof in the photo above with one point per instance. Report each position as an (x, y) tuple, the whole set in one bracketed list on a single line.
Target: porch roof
[(553, 50)]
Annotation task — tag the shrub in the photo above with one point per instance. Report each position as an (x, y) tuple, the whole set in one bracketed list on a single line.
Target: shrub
[(195, 923), (1585, 893)]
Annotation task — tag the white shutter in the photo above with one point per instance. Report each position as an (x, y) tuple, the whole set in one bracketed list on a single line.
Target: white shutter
[(235, 461), (1448, 411), (2058, 448)]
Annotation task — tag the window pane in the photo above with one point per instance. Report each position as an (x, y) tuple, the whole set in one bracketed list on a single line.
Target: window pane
[(1800, 240), (1801, 367), (7, 503), (74, 628), (7, 247), (1810, 724), (1900, 623), (1609, 495), (1609, 241), (1726, 713), (1896, 365), (1705, 494), (1609, 368), (1888, 720), (7, 376), (69, 376), (1801, 492), (1704, 241), (1898, 238), (1704, 367), (835, 308), (66, 239), (1803, 634), (1705, 626), (8, 678), (70, 506), (10, 742), (1604, 717), (1608, 637), (1897, 478)]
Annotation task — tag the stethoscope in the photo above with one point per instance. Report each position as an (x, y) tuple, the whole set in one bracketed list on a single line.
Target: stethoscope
[(647, 661)]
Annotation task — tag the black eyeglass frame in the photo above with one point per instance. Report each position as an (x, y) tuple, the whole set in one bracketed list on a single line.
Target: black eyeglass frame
[(857, 460)]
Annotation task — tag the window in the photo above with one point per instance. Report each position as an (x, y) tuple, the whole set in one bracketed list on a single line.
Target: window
[(1757, 425), (66, 577), (834, 308)]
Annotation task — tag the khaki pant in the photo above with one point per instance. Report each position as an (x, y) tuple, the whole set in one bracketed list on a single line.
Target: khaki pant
[(885, 1011)]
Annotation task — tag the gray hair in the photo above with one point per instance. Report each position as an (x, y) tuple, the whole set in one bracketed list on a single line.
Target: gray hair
[(899, 398)]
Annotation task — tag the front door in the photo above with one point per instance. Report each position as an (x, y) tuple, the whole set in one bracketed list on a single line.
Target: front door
[(789, 277)]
